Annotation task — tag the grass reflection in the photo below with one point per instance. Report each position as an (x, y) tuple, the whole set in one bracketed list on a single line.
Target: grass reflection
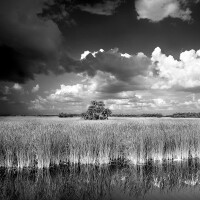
[(108, 182)]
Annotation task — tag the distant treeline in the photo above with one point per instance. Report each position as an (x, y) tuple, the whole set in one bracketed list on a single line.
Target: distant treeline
[(39, 115), (114, 115), (175, 115), (138, 115), (68, 115), (185, 115)]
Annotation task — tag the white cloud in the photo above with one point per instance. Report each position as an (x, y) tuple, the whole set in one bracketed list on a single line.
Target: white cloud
[(71, 93), (126, 55), (17, 86), (128, 95), (38, 104), (36, 88), (140, 72), (184, 73), (188, 103), (159, 102), (157, 10), (138, 96), (63, 100), (86, 53)]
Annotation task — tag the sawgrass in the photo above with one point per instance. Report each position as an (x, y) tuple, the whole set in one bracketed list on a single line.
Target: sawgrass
[(39, 142)]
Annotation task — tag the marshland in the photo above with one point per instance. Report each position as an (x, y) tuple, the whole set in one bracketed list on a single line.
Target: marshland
[(43, 142), (57, 158)]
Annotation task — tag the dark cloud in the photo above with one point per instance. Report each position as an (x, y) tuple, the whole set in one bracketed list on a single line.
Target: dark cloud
[(102, 8), (60, 10), (122, 67), (16, 66), (29, 45), (69, 64), (123, 86), (31, 42)]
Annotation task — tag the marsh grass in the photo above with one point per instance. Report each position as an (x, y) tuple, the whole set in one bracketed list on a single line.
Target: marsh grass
[(43, 142)]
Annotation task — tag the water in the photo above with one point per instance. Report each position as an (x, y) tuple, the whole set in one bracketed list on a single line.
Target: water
[(173, 180)]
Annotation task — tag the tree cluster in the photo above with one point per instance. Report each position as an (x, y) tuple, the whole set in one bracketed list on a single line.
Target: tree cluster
[(96, 111)]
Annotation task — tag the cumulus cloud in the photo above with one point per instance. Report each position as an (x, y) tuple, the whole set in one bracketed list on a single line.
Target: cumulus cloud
[(77, 96), (60, 101), (91, 88), (69, 97), (159, 102), (17, 86), (121, 80), (124, 67), (114, 72), (172, 73), (86, 53), (71, 93), (157, 10), (36, 88), (106, 7), (38, 104)]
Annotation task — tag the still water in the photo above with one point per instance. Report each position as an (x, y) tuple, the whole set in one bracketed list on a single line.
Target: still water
[(173, 180)]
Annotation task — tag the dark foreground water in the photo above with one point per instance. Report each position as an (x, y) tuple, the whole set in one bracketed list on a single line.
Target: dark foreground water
[(114, 181)]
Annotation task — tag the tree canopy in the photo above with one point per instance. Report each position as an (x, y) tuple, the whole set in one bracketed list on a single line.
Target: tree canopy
[(97, 111)]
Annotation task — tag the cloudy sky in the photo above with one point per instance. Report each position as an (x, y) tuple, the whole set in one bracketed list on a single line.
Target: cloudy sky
[(139, 56)]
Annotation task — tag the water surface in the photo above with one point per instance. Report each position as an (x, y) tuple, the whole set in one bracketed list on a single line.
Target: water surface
[(173, 180)]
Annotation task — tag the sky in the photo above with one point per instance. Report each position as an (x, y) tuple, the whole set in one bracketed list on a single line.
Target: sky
[(139, 56)]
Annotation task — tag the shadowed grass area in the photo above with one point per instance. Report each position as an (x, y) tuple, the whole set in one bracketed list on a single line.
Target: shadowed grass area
[(42, 142)]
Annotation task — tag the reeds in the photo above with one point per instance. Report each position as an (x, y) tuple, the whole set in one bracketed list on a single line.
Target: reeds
[(42, 142)]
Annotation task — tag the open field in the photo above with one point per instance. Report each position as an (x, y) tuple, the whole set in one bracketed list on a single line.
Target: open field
[(44, 141)]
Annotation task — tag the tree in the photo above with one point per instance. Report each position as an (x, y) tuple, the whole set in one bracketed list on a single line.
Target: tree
[(97, 111)]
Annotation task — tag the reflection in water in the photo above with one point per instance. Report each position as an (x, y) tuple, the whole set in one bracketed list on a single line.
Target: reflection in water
[(167, 181)]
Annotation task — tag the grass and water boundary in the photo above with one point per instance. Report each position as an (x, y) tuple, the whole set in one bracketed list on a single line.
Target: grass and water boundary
[(43, 142)]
